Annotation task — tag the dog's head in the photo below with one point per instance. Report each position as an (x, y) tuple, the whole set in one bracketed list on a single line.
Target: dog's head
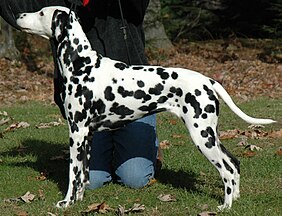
[(42, 22)]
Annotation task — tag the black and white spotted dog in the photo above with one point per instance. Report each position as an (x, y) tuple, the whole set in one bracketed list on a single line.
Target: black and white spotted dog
[(104, 94)]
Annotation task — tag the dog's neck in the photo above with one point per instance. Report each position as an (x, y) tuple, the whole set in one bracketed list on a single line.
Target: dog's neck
[(74, 48)]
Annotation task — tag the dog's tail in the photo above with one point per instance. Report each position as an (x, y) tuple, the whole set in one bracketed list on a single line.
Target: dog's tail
[(228, 100)]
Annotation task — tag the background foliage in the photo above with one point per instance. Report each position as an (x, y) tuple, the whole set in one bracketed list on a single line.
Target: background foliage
[(203, 19)]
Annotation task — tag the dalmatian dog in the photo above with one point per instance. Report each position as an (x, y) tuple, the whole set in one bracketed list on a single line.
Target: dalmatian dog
[(104, 94)]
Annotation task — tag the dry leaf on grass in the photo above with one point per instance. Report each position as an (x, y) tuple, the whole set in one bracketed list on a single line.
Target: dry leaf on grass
[(229, 134), (165, 144), (253, 148), (49, 124), (279, 152), (167, 198), (51, 214), (97, 207), (135, 208), (22, 213), (17, 125), (207, 213), (28, 197), (276, 134)]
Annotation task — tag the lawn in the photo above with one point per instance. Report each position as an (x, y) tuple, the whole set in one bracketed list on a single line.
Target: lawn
[(34, 159)]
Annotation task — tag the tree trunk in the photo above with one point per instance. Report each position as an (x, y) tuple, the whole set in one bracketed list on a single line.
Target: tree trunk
[(155, 34), (7, 44)]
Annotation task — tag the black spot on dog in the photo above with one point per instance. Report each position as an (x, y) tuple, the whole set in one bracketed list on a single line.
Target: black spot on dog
[(191, 99), (210, 108), (174, 75), (70, 89), (140, 83), (162, 99), (140, 94), (121, 110), (121, 65), (137, 68), (196, 125), (98, 61), (157, 90), (184, 109), (76, 41), (227, 166), (79, 116), (152, 106), (74, 79), (124, 93), (177, 91), (161, 72), (212, 81), (218, 165), (204, 116), (204, 133), (98, 107), (109, 94), (228, 190), (114, 81), (197, 92), (151, 69), (233, 159)]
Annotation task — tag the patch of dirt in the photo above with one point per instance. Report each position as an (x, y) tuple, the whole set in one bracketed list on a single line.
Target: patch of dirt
[(244, 68)]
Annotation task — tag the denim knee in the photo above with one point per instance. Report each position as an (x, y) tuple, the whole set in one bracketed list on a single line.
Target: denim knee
[(98, 178), (136, 172)]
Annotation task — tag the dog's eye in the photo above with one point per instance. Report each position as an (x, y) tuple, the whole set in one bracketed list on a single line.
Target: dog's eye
[(41, 13)]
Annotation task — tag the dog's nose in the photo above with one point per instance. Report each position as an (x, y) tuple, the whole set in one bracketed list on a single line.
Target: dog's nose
[(17, 16), (20, 15)]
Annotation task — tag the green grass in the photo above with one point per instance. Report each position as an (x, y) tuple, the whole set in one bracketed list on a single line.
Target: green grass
[(25, 153)]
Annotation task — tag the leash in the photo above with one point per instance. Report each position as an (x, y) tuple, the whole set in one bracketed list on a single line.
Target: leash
[(124, 30)]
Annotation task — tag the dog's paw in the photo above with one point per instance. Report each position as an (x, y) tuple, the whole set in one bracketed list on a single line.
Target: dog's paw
[(223, 207), (64, 204)]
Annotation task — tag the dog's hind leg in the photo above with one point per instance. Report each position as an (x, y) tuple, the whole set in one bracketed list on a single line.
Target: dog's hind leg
[(204, 135), (79, 165)]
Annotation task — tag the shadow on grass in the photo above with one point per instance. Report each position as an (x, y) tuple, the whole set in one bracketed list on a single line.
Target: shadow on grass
[(186, 180), (179, 179), (55, 169)]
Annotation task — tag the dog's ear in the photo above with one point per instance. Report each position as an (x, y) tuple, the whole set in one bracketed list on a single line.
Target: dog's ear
[(59, 22)]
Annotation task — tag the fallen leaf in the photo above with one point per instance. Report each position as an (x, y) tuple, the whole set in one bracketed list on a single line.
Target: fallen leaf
[(253, 127), (229, 134), (51, 214), (276, 134), (207, 213), (5, 120), (137, 207), (28, 197), (41, 194), (177, 136), (165, 144), (17, 125), (249, 154), (279, 152), (253, 148), (43, 176), (173, 121), (49, 124), (97, 207), (22, 213), (167, 198)]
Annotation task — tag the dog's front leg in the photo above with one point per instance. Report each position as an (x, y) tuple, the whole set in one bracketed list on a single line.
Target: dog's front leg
[(79, 166)]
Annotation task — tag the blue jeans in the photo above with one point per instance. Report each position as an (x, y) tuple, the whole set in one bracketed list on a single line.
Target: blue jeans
[(127, 155)]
